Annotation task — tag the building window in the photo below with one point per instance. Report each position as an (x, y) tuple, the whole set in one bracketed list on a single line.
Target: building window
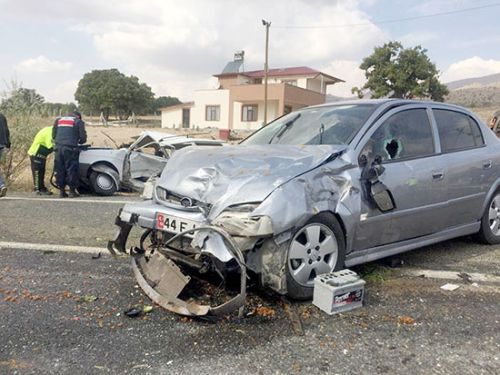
[(249, 112), (212, 113), (290, 82)]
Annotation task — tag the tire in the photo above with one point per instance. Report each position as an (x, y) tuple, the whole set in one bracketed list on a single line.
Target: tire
[(102, 183), (490, 222), (316, 248)]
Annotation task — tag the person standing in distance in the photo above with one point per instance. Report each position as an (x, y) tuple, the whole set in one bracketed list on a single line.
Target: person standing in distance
[(4, 143), (68, 132)]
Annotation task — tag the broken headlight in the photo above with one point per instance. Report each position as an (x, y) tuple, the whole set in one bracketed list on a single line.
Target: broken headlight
[(239, 221)]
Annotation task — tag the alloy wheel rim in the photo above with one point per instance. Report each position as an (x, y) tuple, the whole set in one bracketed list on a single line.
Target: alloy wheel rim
[(494, 216), (313, 251), (104, 182)]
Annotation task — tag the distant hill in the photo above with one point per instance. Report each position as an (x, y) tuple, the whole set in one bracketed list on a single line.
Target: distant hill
[(490, 80), (475, 92)]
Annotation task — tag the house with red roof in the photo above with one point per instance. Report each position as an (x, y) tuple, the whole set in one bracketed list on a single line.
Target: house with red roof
[(238, 102)]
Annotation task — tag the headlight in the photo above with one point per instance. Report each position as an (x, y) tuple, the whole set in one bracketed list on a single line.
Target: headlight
[(239, 221), (246, 207)]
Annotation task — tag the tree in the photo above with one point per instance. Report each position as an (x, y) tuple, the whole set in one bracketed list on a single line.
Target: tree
[(398, 72), (164, 101), (23, 108), (111, 92), (20, 99)]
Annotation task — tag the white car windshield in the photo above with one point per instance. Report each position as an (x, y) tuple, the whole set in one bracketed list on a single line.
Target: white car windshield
[(336, 124)]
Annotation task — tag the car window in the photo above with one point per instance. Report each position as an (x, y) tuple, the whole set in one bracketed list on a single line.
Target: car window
[(335, 124), (404, 135), (457, 131)]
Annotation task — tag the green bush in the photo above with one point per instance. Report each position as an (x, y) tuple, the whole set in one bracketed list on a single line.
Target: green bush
[(22, 109)]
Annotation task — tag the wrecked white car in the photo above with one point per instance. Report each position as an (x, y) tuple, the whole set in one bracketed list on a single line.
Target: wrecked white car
[(107, 170), (314, 191)]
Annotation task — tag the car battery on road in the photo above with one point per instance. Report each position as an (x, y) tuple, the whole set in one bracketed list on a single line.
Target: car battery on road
[(338, 291)]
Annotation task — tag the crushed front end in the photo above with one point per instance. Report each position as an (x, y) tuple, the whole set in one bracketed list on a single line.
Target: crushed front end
[(179, 243)]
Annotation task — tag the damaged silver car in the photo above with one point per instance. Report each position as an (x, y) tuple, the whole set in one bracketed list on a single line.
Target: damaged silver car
[(105, 170), (317, 190)]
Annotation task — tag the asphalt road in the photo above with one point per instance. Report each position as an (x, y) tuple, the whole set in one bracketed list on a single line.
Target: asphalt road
[(63, 312)]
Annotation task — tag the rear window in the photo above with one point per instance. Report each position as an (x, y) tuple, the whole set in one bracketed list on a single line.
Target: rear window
[(457, 131)]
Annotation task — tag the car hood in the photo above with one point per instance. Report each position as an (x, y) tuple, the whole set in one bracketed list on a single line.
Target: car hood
[(239, 174)]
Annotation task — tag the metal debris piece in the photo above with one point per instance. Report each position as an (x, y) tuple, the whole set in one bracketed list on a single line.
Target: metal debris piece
[(450, 287)]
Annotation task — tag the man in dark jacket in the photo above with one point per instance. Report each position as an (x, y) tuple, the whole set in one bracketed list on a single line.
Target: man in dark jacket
[(68, 132), (4, 143)]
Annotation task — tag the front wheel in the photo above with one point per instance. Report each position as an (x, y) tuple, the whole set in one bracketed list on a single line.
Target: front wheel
[(490, 222), (316, 248), (102, 183)]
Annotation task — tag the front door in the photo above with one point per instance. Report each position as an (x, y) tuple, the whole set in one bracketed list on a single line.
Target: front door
[(413, 173)]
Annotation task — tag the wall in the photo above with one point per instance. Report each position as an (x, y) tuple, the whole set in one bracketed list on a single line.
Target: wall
[(202, 98), (171, 117), (272, 113)]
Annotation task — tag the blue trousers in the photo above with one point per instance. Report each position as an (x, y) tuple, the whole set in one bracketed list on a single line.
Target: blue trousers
[(66, 166), (2, 181)]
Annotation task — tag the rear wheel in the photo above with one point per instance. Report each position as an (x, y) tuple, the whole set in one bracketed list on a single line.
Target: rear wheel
[(490, 222), (316, 248), (102, 183)]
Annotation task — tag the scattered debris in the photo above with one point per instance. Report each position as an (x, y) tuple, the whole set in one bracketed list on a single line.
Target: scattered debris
[(405, 319), (465, 277), (147, 309), (88, 298), (450, 287), (96, 256), (133, 312), (294, 318)]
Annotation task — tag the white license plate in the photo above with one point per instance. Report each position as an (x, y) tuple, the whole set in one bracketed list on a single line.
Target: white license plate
[(173, 224)]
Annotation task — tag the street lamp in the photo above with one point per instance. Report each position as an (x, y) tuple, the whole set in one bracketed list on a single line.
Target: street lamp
[(266, 68)]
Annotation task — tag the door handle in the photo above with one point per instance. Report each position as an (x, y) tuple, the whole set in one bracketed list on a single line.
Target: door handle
[(487, 164), (438, 175)]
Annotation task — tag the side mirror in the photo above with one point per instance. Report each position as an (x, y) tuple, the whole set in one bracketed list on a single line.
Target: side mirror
[(382, 196)]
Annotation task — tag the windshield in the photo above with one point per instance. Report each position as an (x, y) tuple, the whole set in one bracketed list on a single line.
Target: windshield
[(336, 124)]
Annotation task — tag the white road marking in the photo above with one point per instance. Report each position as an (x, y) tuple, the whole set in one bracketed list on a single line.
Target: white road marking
[(50, 247), (450, 275), (69, 200)]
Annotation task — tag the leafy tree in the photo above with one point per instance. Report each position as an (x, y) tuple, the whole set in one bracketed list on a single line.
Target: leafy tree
[(20, 99), (164, 101), (111, 92), (23, 108), (398, 72)]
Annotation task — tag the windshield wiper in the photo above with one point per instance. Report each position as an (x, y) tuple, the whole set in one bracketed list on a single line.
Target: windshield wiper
[(287, 125)]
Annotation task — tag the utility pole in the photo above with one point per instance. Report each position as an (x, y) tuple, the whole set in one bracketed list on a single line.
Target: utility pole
[(266, 68)]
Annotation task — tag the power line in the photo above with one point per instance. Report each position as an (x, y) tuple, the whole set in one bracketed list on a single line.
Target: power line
[(395, 20)]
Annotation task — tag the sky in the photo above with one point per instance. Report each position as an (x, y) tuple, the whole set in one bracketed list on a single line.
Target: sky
[(176, 46)]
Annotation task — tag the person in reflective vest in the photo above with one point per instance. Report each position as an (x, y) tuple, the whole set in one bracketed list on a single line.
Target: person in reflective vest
[(41, 147), (68, 132)]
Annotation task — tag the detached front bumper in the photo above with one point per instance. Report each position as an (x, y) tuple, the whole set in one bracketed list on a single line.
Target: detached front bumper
[(159, 277)]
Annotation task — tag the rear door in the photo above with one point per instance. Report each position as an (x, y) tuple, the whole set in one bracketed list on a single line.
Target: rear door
[(414, 174), (468, 166)]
